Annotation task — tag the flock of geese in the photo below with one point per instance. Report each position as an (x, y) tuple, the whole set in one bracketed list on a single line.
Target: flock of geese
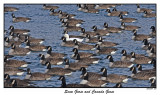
[(87, 40)]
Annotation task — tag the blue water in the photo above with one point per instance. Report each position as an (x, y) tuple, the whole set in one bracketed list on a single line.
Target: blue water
[(49, 28)]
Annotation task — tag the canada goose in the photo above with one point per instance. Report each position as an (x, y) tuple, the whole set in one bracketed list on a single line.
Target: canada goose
[(92, 83), (141, 10), (90, 10), (140, 37), (151, 45), (68, 38), (73, 66), (146, 14), (105, 50), (86, 60), (37, 76), (113, 13), (18, 51), (113, 78), (13, 71), (91, 75), (10, 9), (90, 39), (118, 85), (112, 29), (64, 15), (20, 19), (20, 31), (64, 85), (104, 6), (53, 54), (72, 28), (140, 60), (8, 43), (12, 83), (67, 43), (146, 70), (146, 44), (70, 19), (11, 35), (127, 20), (121, 12), (48, 7), (14, 63), (34, 41), (82, 46), (100, 31), (105, 43), (82, 54), (20, 83), (35, 47), (129, 27), (56, 70), (153, 32), (70, 24), (52, 12), (84, 33), (142, 75), (152, 52), (119, 64), (53, 61), (153, 83), (125, 57)]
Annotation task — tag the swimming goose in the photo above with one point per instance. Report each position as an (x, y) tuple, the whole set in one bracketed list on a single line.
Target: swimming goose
[(82, 54), (10, 9), (57, 70), (105, 50), (71, 38), (53, 61), (113, 13), (90, 10), (13, 71), (90, 39), (35, 47), (20, 19), (64, 15), (11, 35), (142, 75), (73, 66), (14, 63), (105, 43), (125, 57), (112, 29), (52, 12), (72, 28), (146, 70), (127, 20), (121, 12), (119, 64), (48, 7), (69, 19), (82, 46), (113, 78), (34, 41), (104, 6), (140, 60), (129, 27), (10, 84), (36, 76), (70, 24), (67, 43), (146, 44), (153, 83), (152, 52), (53, 54), (9, 42), (100, 31), (84, 33), (91, 75), (140, 37), (92, 83), (141, 10), (86, 60), (64, 85), (146, 14), (20, 31), (20, 83), (18, 51), (153, 32)]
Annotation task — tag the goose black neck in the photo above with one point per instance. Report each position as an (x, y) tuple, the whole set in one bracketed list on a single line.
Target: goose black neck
[(78, 57), (86, 77), (111, 60), (104, 73), (134, 71), (49, 66), (49, 51), (140, 68), (63, 82)]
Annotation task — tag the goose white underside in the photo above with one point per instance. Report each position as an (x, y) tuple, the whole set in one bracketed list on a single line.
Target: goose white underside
[(59, 63), (78, 39), (28, 53), (152, 78), (103, 85), (149, 38), (27, 20), (132, 59), (113, 52), (41, 42), (48, 78), (68, 74), (107, 34), (83, 82), (25, 65), (95, 62), (149, 62), (125, 80), (20, 73), (44, 50), (130, 66)]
